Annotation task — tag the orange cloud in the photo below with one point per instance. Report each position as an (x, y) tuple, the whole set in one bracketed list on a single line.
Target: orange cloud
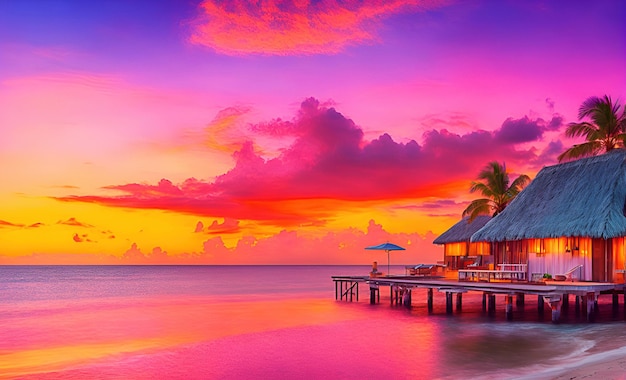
[(228, 227), (4, 223), (224, 133), (82, 238), (74, 222), (294, 27)]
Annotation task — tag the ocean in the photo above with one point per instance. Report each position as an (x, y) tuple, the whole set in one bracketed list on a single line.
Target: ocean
[(270, 322)]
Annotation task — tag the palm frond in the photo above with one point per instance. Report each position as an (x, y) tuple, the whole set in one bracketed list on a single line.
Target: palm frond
[(581, 150), (579, 129), (605, 132), (478, 207)]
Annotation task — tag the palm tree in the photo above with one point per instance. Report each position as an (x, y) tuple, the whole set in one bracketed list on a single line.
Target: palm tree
[(496, 190), (606, 130)]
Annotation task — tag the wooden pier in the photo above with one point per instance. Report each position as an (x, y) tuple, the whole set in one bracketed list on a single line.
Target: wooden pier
[(554, 293)]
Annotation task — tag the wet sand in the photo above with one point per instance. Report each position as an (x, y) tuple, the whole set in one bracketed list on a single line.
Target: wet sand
[(612, 367), (609, 365)]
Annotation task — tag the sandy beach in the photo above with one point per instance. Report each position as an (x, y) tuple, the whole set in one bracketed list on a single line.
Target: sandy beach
[(608, 368), (609, 365)]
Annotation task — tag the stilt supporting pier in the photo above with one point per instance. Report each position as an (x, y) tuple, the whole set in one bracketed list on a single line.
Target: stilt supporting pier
[(450, 297), (430, 299), (508, 310), (491, 304), (555, 304), (555, 294), (590, 298), (520, 299), (624, 299), (374, 294), (449, 302), (406, 297), (347, 290)]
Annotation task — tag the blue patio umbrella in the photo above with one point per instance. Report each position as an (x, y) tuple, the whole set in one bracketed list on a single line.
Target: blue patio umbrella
[(387, 247)]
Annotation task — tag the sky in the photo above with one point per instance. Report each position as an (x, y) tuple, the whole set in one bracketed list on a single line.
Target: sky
[(279, 132)]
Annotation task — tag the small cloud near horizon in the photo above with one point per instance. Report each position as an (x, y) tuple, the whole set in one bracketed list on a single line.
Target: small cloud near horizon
[(4, 223), (75, 223)]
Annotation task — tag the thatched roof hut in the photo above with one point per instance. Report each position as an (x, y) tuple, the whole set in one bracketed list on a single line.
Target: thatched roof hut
[(457, 246), (462, 231), (580, 198)]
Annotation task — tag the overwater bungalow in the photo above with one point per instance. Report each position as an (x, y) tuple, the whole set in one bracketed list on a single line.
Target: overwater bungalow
[(459, 252), (572, 215)]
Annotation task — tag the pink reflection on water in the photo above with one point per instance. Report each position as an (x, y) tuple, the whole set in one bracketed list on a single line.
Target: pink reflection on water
[(193, 336)]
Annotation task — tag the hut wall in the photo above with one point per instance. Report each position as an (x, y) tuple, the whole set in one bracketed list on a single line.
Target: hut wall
[(480, 248), (455, 249), (559, 255), (559, 263), (619, 258)]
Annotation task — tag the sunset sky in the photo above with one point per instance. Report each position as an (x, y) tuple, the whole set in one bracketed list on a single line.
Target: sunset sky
[(218, 132)]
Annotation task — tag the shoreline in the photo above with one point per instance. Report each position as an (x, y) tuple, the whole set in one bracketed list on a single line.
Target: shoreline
[(608, 365)]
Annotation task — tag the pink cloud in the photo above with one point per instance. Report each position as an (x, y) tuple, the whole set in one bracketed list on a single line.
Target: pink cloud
[(229, 225), (133, 253), (339, 247), (294, 27), (330, 160), (135, 256), (525, 129), (199, 227)]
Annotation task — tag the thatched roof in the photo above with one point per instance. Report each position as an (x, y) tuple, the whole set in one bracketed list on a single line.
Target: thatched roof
[(583, 198), (462, 231)]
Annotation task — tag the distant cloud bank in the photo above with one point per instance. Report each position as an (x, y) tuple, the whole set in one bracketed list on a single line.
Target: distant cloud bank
[(328, 159)]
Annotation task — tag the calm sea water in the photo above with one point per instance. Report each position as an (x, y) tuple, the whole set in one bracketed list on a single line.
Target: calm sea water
[(262, 322)]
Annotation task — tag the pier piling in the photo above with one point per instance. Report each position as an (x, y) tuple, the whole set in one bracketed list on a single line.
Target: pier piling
[(509, 307), (430, 299), (449, 302), (590, 307), (374, 294), (556, 295), (492, 303), (520, 300)]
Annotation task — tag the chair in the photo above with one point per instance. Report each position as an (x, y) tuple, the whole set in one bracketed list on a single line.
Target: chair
[(475, 265), (567, 275)]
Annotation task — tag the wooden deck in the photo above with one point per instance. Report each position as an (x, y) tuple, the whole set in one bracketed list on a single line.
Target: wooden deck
[(554, 293)]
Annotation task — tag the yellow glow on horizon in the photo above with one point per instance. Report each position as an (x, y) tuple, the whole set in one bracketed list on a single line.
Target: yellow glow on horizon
[(106, 230), (25, 362)]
